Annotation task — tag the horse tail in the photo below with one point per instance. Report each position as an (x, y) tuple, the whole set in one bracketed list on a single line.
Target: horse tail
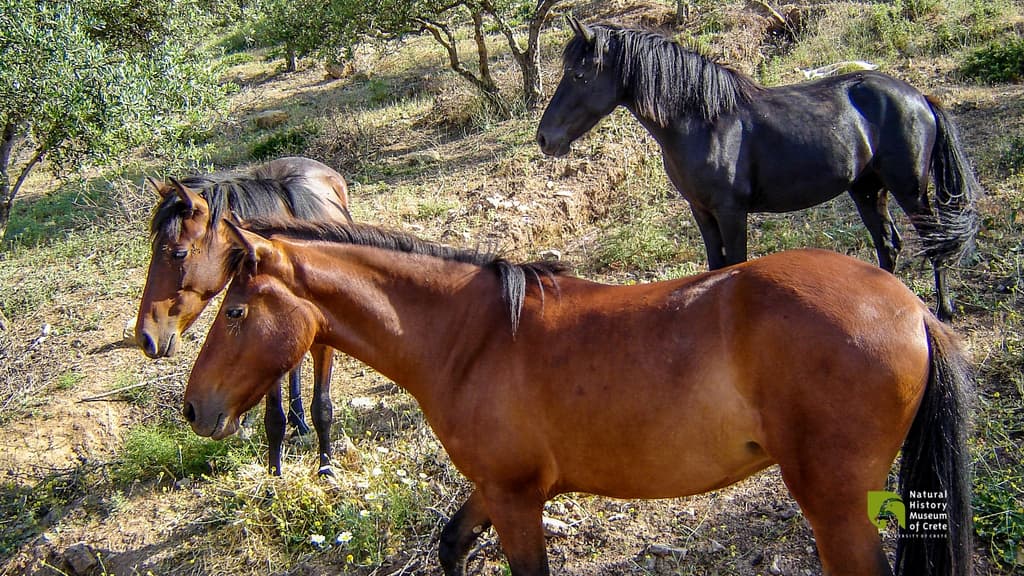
[(935, 460), (951, 234)]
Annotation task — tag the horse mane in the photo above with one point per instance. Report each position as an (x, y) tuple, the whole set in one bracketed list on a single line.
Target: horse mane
[(260, 194), (665, 79), (514, 278)]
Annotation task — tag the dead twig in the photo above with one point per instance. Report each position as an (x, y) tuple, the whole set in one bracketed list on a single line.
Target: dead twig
[(116, 391)]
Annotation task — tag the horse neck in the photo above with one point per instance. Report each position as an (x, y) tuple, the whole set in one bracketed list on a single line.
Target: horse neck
[(402, 314)]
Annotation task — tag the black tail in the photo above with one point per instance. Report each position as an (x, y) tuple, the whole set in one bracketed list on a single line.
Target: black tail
[(951, 235), (935, 459)]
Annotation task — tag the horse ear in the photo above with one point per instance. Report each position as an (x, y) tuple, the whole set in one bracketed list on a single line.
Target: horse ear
[(580, 29), (256, 247), (160, 188), (189, 197)]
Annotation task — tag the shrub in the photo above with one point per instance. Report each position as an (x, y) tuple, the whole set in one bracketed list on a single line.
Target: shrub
[(996, 62)]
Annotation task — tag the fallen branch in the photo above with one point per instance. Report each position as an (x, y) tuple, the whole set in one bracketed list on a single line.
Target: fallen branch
[(117, 391)]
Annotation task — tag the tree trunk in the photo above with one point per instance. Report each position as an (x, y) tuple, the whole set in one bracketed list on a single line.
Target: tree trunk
[(682, 11), (5, 213), (485, 84), (7, 190), (290, 64), (528, 59), (6, 195)]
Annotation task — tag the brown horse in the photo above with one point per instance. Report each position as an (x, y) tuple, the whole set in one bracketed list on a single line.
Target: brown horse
[(188, 268), (539, 383)]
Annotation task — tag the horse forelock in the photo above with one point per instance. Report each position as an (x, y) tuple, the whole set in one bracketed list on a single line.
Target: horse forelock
[(514, 279), (664, 79)]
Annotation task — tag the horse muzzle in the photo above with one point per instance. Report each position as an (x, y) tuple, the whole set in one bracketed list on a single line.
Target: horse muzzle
[(552, 146), (156, 347), (216, 426)]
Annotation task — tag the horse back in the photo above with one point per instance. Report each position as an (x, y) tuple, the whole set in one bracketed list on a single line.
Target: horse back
[(313, 179), (714, 373)]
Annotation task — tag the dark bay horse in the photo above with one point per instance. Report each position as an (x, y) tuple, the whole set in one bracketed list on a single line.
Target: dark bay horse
[(538, 383), (732, 147), (189, 267)]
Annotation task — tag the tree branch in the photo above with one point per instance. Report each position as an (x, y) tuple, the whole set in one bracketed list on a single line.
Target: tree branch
[(36, 158), (507, 30), (481, 46)]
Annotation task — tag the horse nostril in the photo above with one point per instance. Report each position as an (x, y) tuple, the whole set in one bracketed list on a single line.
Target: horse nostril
[(147, 344), (541, 140), (189, 412)]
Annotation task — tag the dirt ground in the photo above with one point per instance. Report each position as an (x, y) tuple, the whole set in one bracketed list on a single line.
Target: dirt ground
[(751, 528)]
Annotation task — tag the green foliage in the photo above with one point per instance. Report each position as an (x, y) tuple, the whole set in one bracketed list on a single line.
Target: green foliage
[(1011, 154), (891, 30), (152, 452), (1000, 61), (326, 29), (292, 140), (76, 96), (999, 512)]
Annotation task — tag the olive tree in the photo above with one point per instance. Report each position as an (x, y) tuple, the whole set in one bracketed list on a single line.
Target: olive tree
[(84, 81)]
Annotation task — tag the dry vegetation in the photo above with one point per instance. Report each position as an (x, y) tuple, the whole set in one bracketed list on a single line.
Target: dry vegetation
[(126, 477)]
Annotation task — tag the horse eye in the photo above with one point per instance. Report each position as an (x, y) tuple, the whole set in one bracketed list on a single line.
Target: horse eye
[(235, 313), (179, 254), (579, 74)]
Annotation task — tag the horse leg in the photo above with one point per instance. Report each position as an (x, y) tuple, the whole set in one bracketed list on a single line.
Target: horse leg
[(833, 497), (873, 204), (733, 228), (945, 302), (296, 414), (922, 218), (459, 534), (274, 424), (712, 236), (322, 408), (516, 516)]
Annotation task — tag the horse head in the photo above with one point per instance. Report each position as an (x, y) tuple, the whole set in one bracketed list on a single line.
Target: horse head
[(590, 89), (235, 367), (186, 268)]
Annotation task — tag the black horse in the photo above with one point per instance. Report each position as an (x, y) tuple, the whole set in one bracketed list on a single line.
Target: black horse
[(731, 146)]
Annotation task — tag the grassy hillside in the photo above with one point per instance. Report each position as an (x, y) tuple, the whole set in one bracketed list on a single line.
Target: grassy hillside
[(94, 449)]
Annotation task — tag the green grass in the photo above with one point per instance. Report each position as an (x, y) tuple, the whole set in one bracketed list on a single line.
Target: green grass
[(159, 451), (283, 142), (68, 380), (61, 258)]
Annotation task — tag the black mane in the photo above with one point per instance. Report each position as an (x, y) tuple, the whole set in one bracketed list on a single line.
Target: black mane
[(514, 278), (664, 79), (245, 196)]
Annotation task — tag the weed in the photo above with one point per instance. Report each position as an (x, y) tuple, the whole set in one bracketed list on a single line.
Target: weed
[(26, 509), (1011, 154), (361, 524), (1000, 61), (433, 207), (68, 380), (292, 140), (152, 452)]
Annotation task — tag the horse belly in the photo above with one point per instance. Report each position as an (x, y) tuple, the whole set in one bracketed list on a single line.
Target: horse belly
[(659, 441)]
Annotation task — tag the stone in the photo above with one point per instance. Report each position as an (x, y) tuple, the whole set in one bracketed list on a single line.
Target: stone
[(81, 558), (270, 118)]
